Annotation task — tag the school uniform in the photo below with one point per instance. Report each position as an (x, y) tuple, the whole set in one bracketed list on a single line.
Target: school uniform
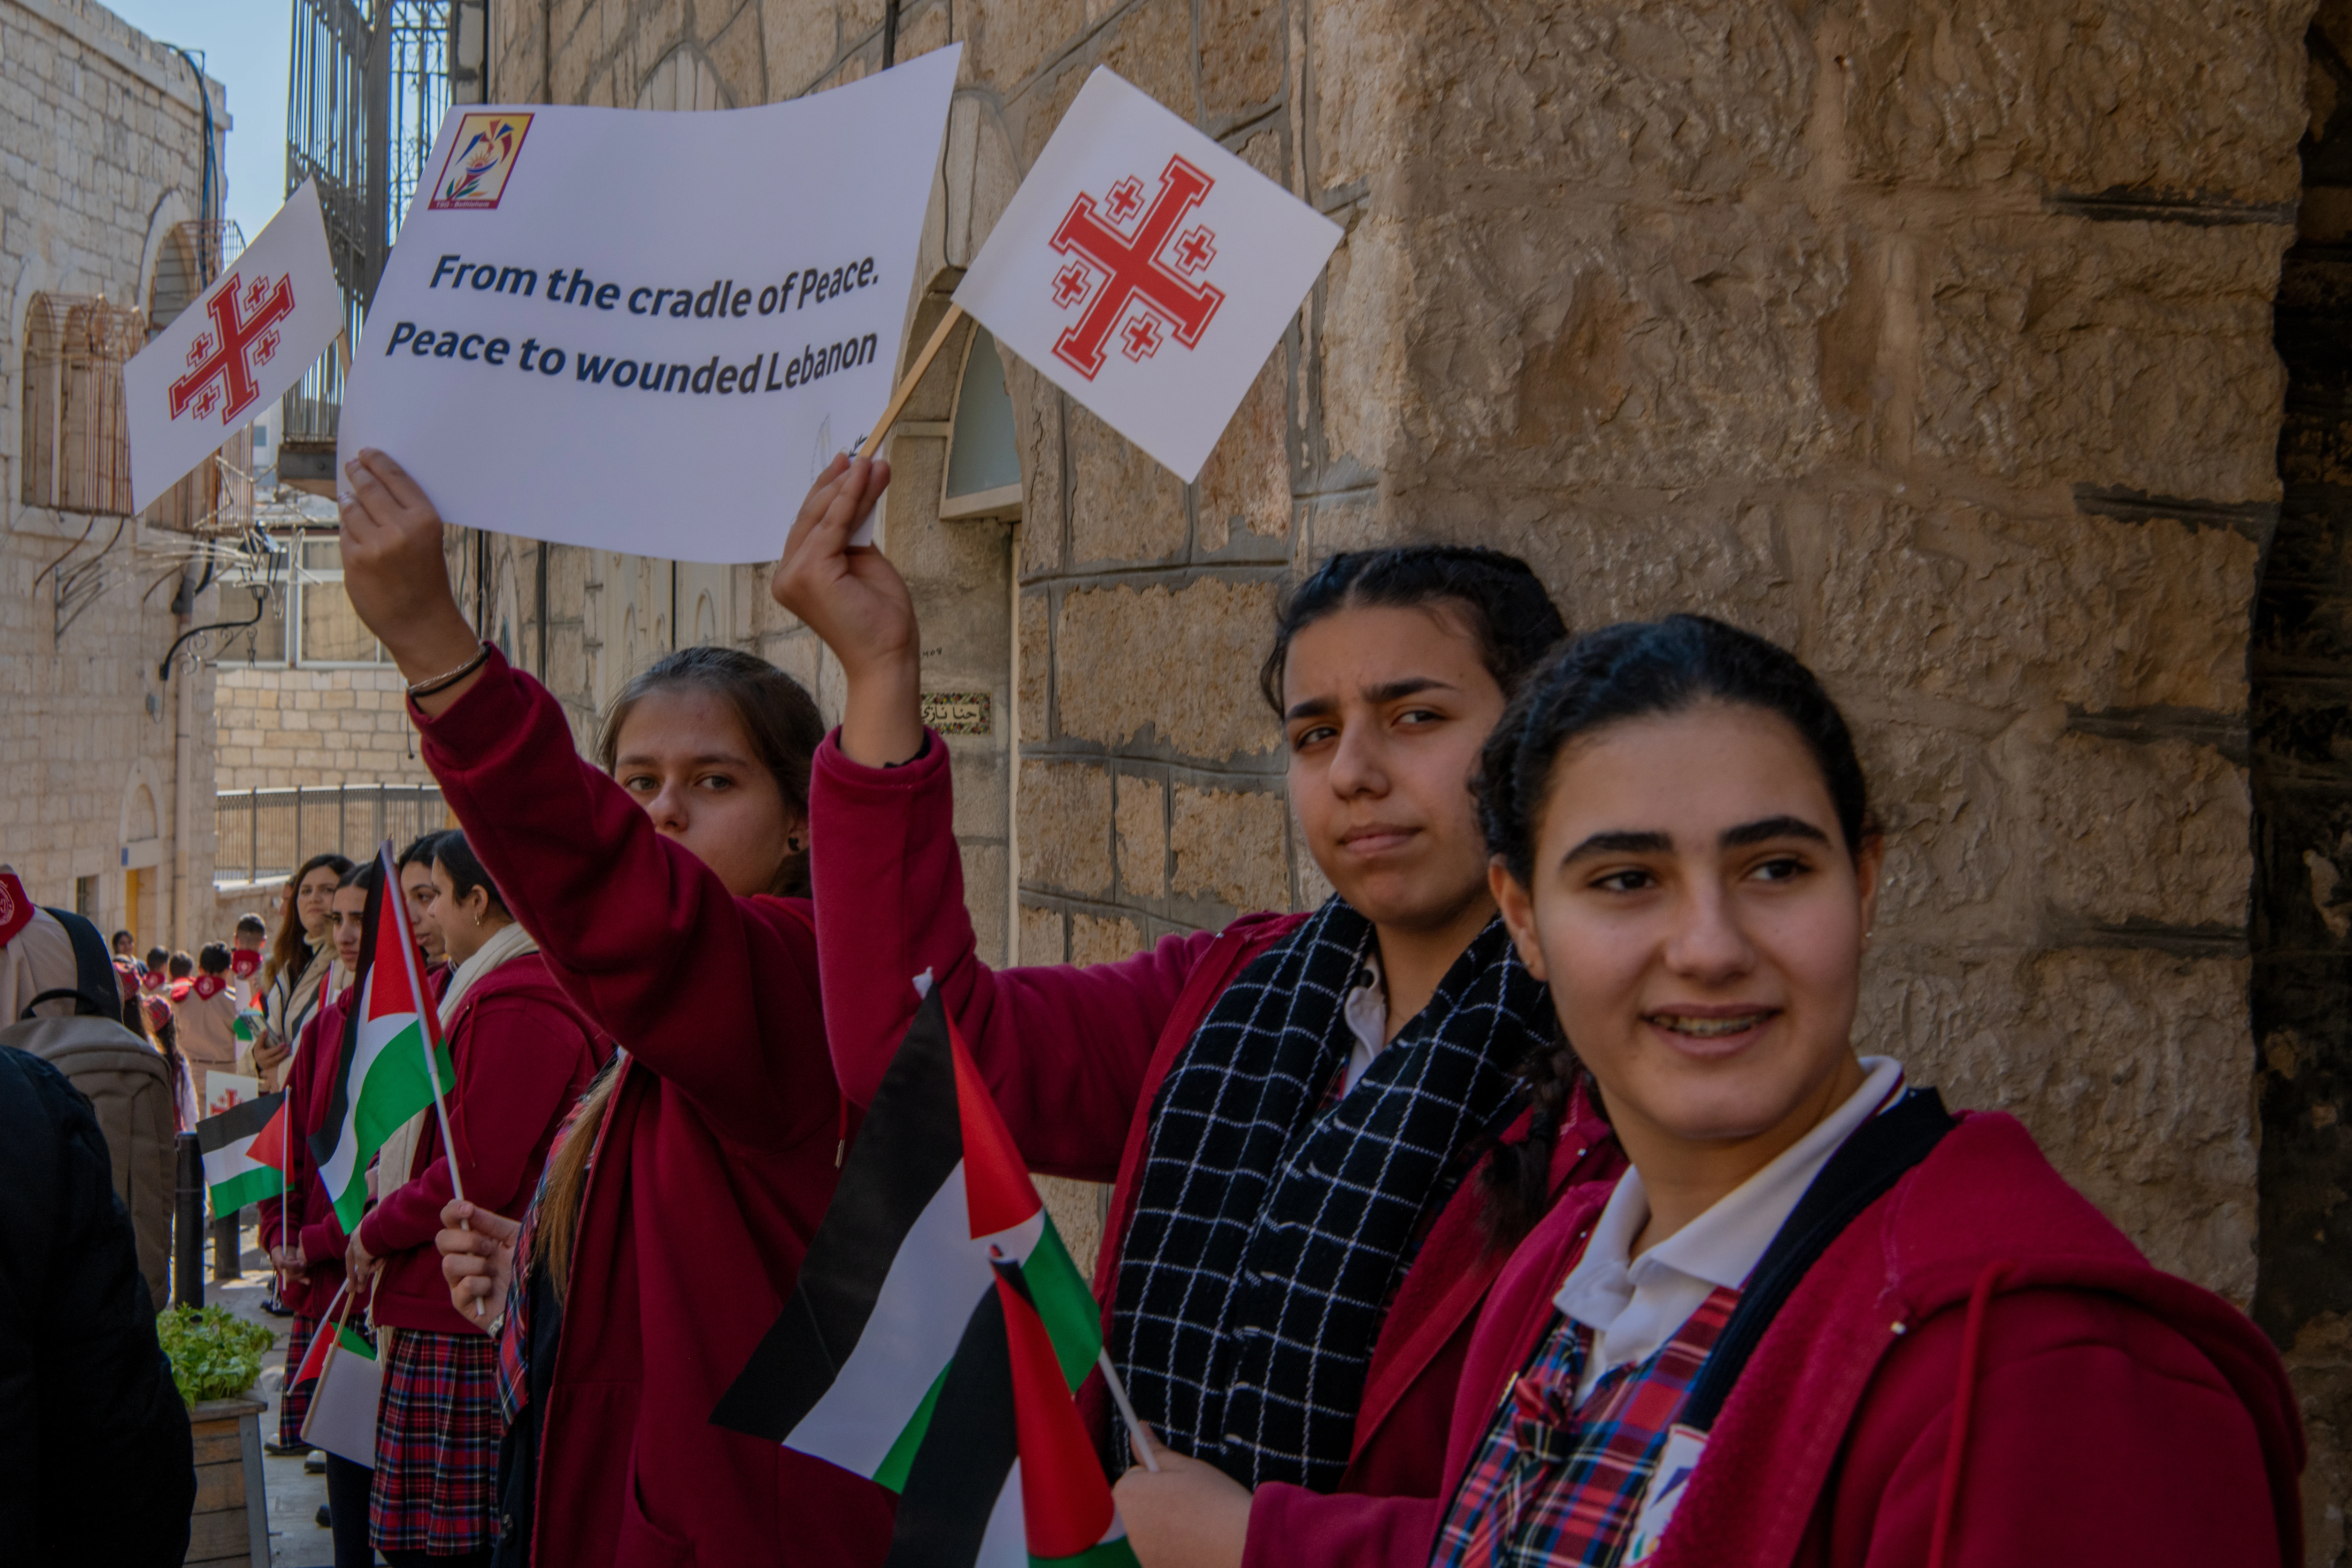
[(206, 1017), (2113, 1414), (521, 1053), (1297, 1249), (304, 1213), (712, 1171)]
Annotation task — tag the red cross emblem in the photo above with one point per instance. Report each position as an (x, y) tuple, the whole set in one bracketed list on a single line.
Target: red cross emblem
[(1133, 272), (222, 362)]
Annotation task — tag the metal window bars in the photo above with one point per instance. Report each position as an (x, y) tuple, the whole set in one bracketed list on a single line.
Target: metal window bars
[(265, 833)]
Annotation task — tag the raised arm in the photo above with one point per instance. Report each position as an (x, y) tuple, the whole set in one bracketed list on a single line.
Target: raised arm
[(706, 991)]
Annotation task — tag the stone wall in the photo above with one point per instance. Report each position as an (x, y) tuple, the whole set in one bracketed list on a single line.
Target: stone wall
[(1933, 341), (102, 149), (281, 727)]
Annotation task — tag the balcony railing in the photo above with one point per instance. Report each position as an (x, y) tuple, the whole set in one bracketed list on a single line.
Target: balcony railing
[(267, 833)]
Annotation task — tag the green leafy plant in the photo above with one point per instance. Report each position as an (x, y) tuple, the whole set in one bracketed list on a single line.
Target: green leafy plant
[(214, 1353)]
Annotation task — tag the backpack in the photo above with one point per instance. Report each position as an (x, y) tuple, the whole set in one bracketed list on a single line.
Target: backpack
[(129, 1086)]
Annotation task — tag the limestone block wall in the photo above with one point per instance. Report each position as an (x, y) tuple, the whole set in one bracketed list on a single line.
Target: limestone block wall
[(1934, 341), (101, 150), (282, 727)]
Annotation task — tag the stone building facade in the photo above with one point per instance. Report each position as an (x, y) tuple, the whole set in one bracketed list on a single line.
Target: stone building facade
[(106, 760), (1936, 342)]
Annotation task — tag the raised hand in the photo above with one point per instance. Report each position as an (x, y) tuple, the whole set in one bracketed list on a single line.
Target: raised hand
[(396, 577), (856, 601)]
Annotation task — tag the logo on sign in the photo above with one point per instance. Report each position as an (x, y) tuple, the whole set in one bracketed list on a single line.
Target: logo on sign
[(1132, 267), (481, 155), (244, 338)]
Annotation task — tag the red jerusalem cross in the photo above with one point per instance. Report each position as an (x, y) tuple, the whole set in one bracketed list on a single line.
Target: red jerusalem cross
[(1136, 274), (221, 356)]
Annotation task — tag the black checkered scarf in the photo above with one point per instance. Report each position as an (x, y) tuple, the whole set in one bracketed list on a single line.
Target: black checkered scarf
[(1273, 1227)]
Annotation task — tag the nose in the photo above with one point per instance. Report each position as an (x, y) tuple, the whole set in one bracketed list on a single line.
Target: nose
[(1358, 765), (668, 808), (1707, 944)]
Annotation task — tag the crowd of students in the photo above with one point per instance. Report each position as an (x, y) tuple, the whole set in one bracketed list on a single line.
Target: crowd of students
[(1530, 1202)]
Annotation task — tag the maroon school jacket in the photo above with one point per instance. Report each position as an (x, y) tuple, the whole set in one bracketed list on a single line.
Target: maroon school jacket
[(521, 1053), (2118, 1417), (1075, 1057), (305, 1213), (714, 1167)]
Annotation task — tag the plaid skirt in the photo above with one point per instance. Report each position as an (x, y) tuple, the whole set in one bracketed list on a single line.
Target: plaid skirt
[(436, 1446), (294, 1404)]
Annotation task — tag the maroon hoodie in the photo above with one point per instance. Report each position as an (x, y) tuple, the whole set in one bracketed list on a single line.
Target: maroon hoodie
[(2116, 1414), (715, 1164)]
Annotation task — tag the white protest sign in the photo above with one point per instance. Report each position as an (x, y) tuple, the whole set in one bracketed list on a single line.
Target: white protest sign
[(234, 351), (646, 331), (1145, 271)]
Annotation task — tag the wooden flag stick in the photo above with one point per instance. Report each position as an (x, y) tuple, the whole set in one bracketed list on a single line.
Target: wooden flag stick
[(890, 412), (1134, 1437)]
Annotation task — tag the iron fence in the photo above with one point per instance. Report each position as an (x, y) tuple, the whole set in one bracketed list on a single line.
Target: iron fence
[(267, 833)]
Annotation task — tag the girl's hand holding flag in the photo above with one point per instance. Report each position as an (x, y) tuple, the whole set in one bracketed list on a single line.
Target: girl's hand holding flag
[(478, 1258), (1187, 1514)]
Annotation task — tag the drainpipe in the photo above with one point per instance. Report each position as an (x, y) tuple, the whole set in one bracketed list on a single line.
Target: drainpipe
[(184, 801)]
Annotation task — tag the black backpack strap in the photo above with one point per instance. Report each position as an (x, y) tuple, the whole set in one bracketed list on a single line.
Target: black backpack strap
[(1872, 1161), (94, 984)]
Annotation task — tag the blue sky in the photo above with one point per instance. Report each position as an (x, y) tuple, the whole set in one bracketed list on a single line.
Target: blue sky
[(244, 45)]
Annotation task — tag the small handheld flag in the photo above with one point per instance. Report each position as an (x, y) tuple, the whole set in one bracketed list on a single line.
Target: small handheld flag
[(392, 1062), (932, 1195), (244, 1151), (1067, 1512)]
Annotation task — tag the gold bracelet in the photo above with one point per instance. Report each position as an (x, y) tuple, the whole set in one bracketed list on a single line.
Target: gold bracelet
[(443, 682)]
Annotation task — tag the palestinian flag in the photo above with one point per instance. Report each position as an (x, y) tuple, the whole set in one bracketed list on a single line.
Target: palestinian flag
[(933, 1196), (1067, 1512), (393, 1063), (332, 1331), (244, 1153)]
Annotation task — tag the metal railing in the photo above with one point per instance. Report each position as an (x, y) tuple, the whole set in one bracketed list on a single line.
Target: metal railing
[(267, 833)]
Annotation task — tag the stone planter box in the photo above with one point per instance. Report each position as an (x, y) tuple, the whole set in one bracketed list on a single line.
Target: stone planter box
[(230, 1524)]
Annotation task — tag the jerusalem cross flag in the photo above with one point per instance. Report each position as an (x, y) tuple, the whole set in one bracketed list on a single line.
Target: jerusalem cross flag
[(263, 323), (1145, 271)]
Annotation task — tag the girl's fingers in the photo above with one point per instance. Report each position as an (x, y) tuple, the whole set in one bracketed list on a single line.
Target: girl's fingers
[(395, 479)]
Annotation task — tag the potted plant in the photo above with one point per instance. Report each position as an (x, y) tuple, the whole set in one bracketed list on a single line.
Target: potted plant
[(215, 1359)]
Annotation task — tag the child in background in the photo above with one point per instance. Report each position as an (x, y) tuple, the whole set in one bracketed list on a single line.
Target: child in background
[(245, 957), (154, 974), (206, 1016), (1821, 1321)]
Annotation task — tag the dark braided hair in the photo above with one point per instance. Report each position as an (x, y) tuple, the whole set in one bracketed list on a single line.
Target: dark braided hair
[(1635, 669), (1510, 615)]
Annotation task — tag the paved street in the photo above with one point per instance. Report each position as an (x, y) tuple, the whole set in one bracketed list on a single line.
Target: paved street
[(295, 1538)]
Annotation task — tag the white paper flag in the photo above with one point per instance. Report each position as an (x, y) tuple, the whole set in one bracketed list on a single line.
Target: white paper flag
[(233, 353), (1145, 271), (629, 330)]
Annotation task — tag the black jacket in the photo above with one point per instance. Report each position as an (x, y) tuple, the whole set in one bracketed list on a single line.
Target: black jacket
[(96, 1461)]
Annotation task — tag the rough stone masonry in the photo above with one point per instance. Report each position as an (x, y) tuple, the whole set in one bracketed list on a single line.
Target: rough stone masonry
[(1933, 340)]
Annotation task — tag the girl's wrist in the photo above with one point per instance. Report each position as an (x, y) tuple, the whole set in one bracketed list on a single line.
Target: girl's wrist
[(882, 713)]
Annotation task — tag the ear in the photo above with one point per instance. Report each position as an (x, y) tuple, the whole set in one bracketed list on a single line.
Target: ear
[(1868, 863), (1518, 916)]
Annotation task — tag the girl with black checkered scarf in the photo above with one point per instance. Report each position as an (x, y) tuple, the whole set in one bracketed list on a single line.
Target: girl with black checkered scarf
[(1317, 1124)]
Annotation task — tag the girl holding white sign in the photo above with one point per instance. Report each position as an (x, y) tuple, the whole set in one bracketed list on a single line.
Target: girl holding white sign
[(1315, 1123), (662, 889)]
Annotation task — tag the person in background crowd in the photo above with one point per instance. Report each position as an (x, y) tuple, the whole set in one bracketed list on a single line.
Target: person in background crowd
[(155, 974), (665, 893), (126, 945), (164, 1032), (97, 1463), (35, 955), (295, 981), (416, 885), (1357, 1066), (305, 1241), (522, 1053), (1820, 1320), (207, 1017), (245, 956)]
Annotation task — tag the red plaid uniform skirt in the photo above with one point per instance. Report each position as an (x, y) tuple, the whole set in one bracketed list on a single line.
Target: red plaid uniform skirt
[(436, 1446), (294, 1404)]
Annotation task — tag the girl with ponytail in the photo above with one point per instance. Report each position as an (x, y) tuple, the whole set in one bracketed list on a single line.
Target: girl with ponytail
[(665, 891)]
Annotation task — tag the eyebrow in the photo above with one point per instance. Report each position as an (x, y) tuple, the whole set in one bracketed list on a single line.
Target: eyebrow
[(1378, 695), (708, 758), (1762, 830)]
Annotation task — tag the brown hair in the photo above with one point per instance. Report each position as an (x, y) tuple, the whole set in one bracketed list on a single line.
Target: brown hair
[(291, 938), (781, 720)]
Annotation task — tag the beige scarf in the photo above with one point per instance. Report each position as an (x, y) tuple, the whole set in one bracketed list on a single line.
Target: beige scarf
[(297, 1002), (399, 1152)]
